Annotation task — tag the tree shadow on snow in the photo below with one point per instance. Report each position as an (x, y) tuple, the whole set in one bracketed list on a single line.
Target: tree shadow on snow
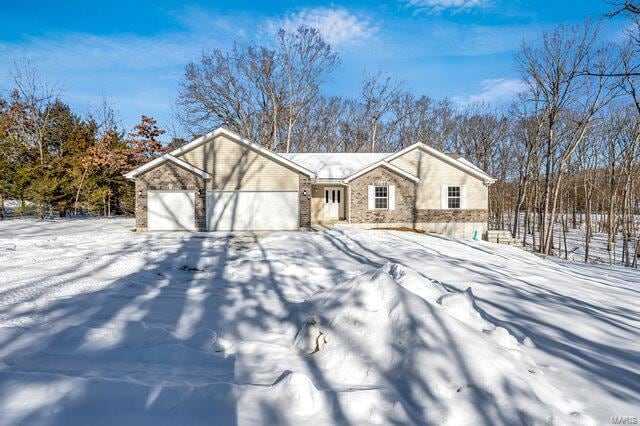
[(143, 348)]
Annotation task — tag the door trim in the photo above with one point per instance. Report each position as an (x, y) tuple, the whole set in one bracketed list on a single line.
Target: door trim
[(340, 203)]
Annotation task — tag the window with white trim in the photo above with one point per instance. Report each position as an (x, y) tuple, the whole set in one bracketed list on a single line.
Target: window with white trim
[(453, 197), (381, 197)]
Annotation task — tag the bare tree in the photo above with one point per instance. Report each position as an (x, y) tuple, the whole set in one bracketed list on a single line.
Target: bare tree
[(35, 96), (379, 92), (569, 102), (306, 59), (215, 92)]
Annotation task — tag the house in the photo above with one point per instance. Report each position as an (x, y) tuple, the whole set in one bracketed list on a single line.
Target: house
[(222, 181)]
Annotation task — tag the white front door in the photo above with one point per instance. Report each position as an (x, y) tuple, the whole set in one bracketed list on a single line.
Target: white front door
[(333, 203)]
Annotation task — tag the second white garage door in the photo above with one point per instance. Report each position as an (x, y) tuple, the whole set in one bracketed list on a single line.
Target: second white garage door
[(252, 210)]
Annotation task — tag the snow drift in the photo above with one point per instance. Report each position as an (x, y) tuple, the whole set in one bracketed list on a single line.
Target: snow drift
[(399, 348)]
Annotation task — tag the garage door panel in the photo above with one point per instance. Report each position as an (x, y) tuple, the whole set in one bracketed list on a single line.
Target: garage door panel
[(171, 211), (252, 210)]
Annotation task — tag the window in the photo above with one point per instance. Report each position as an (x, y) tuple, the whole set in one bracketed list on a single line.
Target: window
[(381, 194), (453, 197)]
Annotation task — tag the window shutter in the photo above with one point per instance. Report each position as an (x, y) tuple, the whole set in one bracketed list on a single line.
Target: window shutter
[(371, 199), (392, 197), (463, 197), (444, 197)]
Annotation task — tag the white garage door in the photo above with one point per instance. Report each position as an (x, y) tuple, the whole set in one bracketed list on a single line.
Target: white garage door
[(252, 210), (171, 211)]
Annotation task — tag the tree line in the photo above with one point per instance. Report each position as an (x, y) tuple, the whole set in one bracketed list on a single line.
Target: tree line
[(53, 161), (565, 153)]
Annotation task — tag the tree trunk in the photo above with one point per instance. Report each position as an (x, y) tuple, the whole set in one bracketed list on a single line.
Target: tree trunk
[(75, 204)]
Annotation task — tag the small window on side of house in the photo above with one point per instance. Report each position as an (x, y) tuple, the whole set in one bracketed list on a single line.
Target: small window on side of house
[(453, 197), (381, 194)]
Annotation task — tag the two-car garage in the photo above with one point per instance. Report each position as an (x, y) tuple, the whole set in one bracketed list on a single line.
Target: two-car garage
[(225, 210), (221, 182)]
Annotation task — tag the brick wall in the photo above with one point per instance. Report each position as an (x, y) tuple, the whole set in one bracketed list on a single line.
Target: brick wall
[(405, 212), (405, 196), (170, 176), (452, 215), (305, 200)]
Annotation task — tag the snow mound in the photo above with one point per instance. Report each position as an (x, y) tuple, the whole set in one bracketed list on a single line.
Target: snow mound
[(415, 282), (298, 393), (462, 306), (426, 354)]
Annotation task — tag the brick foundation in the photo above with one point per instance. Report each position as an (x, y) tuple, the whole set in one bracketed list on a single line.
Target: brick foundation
[(452, 216), (169, 176)]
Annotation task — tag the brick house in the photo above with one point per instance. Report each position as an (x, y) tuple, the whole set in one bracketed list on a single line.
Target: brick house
[(222, 181)]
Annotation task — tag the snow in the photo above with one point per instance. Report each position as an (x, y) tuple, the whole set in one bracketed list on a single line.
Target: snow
[(101, 325), (335, 165), (341, 165), (575, 238)]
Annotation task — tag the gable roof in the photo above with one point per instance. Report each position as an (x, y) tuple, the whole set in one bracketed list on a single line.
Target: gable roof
[(167, 157), (323, 166), (460, 163), (211, 135), (382, 163), (335, 166)]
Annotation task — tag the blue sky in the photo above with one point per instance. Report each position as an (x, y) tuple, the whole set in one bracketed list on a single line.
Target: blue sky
[(134, 52)]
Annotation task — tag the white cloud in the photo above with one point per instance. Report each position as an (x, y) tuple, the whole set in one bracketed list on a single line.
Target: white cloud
[(438, 6), (494, 91), (337, 25)]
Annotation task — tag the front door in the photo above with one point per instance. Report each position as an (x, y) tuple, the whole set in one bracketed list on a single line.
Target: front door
[(333, 203)]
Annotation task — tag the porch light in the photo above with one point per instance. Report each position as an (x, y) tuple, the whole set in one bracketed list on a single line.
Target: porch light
[(140, 193), (304, 192)]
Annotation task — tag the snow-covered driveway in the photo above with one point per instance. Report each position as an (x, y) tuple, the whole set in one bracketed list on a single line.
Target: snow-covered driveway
[(100, 325)]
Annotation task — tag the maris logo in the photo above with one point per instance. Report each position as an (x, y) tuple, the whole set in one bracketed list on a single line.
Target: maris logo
[(624, 420)]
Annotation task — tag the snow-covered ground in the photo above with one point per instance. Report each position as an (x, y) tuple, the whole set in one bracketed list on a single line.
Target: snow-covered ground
[(575, 242), (101, 325)]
